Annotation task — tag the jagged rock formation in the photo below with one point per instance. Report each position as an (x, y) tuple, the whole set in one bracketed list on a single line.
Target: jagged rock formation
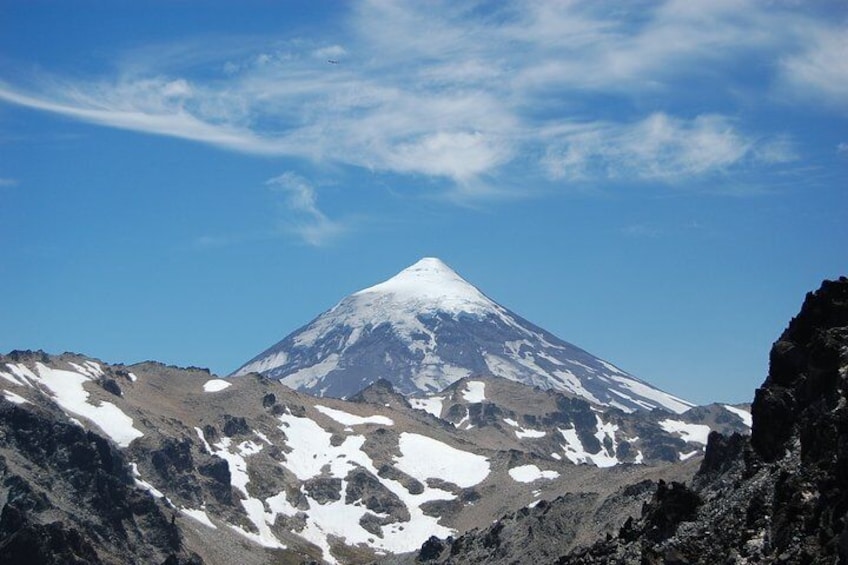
[(780, 496), (426, 328), (70, 498)]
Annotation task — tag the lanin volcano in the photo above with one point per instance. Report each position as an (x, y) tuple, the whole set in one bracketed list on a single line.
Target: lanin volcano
[(426, 328)]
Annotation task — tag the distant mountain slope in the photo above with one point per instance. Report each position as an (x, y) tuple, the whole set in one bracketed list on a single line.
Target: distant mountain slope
[(246, 470), (426, 328)]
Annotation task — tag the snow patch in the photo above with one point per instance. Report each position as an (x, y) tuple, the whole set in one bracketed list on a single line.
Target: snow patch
[(577, 454), (475, 391), (530, 473), (11, 378), (22, 372), (522, 433), (573, 447), (743, 414), (139, 482), (431, 405), (685, 456), (68, 392), (347, 419), (532, 434), (216, 385), (423, 458), (14, 398), (694, 433), (606, 457), (667, 401), (200, 516)]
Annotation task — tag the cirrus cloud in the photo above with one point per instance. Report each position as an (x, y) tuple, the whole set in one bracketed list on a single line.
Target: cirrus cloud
[(473, 93)]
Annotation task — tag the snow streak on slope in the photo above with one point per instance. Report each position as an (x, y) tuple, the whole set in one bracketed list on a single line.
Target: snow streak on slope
[(66, 389), (426, 328), (693, 433), (530, 473), (744, 415), (215, 385), (348, 419), (313, 455)]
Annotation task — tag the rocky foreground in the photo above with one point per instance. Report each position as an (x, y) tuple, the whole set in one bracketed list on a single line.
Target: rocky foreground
[(778, 496)]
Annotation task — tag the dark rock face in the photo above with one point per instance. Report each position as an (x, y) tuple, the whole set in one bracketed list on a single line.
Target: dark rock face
[(804, 386), (79, 503), (218, 471), (174, 464), (323, 489), (54, 543), (671, 506), (362, 485), (780, 496), (236, 425)]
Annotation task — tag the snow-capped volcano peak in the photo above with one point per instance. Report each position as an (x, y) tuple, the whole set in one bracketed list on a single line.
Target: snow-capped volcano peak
[(426, 328), (428, 286)]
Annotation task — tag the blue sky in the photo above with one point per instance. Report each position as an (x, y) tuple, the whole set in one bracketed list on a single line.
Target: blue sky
[(657, 182)]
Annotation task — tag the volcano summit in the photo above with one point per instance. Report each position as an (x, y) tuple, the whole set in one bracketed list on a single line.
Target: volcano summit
[(427, 327)]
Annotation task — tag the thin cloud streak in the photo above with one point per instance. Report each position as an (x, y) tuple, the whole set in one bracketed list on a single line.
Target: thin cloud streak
[(303, 217), (659, 147)]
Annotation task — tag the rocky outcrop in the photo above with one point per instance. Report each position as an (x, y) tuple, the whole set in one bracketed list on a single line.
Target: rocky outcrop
[(780, 496), (78, 503)]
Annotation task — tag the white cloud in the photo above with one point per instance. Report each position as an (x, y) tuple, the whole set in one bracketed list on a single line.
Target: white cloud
[(8, 182), (462, 92), (842, 147), (820, 71), (659, 147), (303, 216)]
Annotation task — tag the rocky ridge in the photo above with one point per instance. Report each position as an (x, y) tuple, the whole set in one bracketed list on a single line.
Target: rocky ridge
[(248, 470)]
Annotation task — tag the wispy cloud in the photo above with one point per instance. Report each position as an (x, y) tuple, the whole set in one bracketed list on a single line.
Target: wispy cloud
[(302, 215), (657, 147), (820, 70), (8, 182), (466, 94)]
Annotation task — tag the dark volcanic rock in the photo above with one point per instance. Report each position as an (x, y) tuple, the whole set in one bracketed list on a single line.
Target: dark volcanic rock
[(671, 506), (24, 542), (362, 485), (236, 425), (780, 496), (324, 489), (78, 502)]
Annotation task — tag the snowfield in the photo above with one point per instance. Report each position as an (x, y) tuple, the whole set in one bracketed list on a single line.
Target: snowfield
[(431, 405), (66, 388), (348, 419), (693, 433), (530, 473), (424, 458), (216, 385), (474, 392), (744, 415)]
